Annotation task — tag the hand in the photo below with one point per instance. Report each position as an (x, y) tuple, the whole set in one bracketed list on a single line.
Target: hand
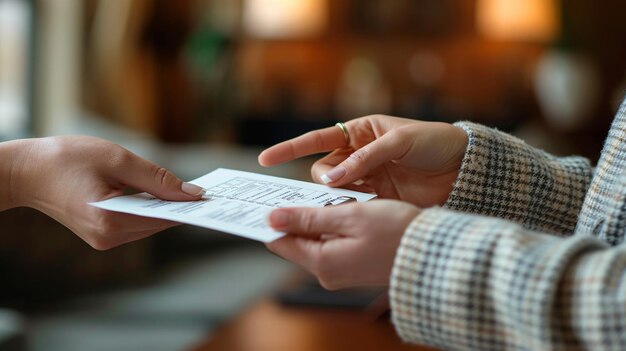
[(397, 158), (346, 245), (60, 175)]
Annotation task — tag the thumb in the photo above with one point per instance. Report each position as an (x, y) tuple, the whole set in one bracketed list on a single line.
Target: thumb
[(312, 222), (391, 146), (146, 176)]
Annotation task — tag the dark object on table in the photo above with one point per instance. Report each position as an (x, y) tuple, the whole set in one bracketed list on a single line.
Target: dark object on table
[(310, 293)]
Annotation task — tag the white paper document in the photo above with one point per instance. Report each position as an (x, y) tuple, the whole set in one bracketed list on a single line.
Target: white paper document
[(236, 202)]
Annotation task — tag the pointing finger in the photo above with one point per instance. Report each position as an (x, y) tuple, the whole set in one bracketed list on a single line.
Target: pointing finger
[(317, 141)]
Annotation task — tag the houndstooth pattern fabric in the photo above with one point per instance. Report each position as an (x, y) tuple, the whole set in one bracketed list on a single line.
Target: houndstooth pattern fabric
[(604, 210), (527, 253), (501, 176)]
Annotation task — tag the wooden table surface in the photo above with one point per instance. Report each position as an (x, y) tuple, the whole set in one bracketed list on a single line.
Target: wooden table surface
[(269, 326)]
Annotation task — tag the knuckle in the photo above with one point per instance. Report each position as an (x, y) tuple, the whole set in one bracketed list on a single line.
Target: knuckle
[(401, 138), (358, 160), (100, 244), (325, 272), (57, 147), (400, 133), (273, 246), (359, 156), (315, 265), (375, 120), (55, 143), (318, 140), (120, 157), (307, 221), (100, 235), (161, 175), (292, 150), (356, 223), (374, 116), (329, 284), (358, 213)]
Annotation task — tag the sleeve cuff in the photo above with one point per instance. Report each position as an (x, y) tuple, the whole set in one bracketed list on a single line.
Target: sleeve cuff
[(502, 176)]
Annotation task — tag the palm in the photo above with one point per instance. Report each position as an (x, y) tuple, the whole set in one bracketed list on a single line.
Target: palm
[(392, 181)]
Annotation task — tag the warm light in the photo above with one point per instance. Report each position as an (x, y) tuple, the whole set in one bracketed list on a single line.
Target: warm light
[(284, 19), (523, 20)]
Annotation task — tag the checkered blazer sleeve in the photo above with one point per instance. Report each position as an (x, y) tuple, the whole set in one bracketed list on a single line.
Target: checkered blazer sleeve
[(468, 282), (501, 176)]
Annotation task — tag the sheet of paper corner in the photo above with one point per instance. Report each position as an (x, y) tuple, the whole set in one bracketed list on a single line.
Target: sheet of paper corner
[(137, 204)]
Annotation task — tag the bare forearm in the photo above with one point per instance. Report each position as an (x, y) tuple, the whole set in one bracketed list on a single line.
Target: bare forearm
[(59, 176)]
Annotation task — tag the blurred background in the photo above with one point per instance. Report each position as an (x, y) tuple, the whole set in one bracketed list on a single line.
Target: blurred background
[(199, 84)]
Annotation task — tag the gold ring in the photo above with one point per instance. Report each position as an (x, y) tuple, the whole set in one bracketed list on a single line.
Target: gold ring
[(344, 130)]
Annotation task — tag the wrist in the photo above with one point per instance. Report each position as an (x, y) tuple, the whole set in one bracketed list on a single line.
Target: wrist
[(15, 172)]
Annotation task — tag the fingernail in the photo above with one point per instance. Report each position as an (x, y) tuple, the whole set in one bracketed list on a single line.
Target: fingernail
[(333, 175), (279, 219), (192, 189)]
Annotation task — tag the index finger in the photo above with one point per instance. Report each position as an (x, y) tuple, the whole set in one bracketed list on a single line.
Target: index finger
[(317, 141)]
